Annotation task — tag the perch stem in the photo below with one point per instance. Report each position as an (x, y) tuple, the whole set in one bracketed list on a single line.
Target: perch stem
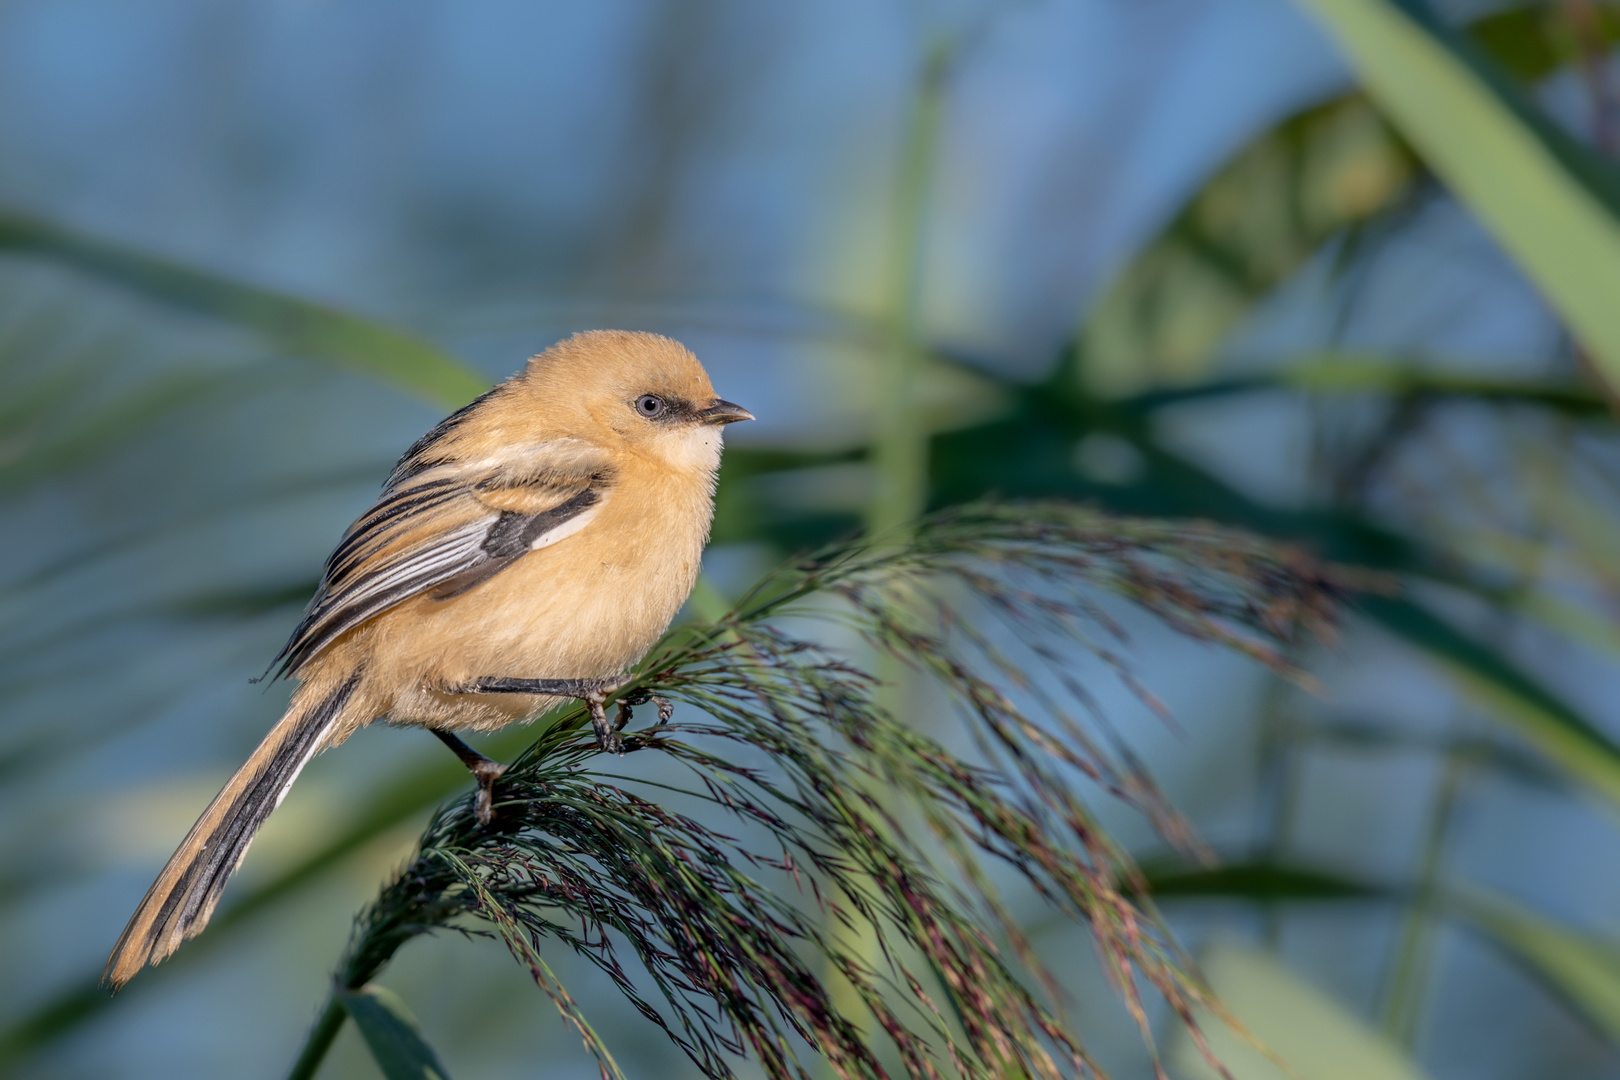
[(320, 1040)]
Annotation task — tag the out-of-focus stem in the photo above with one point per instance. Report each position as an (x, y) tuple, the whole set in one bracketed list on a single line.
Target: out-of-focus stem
[(1279, 785), (900, 440), (899, 453), (320, 1040), (1408, 982)]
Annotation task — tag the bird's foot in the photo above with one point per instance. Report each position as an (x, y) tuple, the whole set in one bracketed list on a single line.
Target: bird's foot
[(666, 709), (485, 770), (593, 692), (608, 739)]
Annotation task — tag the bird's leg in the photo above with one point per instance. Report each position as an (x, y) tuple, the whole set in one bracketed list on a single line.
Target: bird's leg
[(593, 692), (485, 770)]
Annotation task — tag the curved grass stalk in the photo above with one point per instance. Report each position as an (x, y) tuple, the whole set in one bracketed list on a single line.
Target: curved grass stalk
[(717, 921)]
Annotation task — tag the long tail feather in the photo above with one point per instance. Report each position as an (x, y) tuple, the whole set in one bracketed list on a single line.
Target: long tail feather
[(180, 902)]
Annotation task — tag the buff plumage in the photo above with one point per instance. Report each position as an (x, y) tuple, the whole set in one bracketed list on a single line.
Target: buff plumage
[(540, 539)]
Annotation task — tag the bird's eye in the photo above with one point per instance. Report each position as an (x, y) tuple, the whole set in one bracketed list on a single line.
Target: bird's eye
[(650, 405)]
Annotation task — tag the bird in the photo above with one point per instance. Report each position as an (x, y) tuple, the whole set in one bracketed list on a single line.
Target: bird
[(528, 550)]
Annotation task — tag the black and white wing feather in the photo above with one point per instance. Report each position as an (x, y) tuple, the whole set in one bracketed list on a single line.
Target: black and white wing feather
[(445, 529)]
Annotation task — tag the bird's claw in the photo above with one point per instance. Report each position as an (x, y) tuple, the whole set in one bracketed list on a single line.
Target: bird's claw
[(484, 801), (593, 692), (666, 708), (608, 739)]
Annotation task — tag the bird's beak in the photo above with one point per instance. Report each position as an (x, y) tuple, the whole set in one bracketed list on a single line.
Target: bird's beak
[(724, 412)]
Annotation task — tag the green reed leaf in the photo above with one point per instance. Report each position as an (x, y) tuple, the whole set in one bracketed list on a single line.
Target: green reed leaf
[(1581, 969), (300, 327), (1316, 1036), (1551, 202), (392, 1034), (1396, 377), (1266, 882), (1508, 694)]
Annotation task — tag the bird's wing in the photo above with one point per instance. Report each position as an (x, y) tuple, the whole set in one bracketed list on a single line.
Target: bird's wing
[(447, 528)]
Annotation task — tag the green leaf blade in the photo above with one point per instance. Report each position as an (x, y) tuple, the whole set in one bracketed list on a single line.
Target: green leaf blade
[(1551, 203), (392, 1034), (301, 327), (1507, 694), (1317, 1037), (1581, 969), (1260, 882)]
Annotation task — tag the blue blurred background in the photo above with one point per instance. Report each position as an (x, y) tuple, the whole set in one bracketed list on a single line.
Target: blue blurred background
[(1157, 254)]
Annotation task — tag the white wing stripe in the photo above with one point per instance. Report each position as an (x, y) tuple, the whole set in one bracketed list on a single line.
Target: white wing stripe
[(566, 529)]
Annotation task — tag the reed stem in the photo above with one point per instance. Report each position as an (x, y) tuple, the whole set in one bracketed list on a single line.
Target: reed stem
[(320, 1040)]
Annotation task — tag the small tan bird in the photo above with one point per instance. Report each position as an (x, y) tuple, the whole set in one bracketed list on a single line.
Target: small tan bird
[(529, 549)]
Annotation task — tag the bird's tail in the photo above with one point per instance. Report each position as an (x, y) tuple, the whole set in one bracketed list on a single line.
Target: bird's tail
[(179, 903)]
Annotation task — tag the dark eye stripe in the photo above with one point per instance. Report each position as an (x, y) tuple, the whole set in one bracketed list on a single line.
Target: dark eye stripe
[(664, 410)]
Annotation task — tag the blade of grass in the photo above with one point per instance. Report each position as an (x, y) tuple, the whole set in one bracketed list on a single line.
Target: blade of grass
[(1271, 207), (1270, 882), (320, 1040), (1315, 1035), (1505, 760), (300, 327), (1574, 621), (1507, 694), (1318, 177), (1581, 969), (899, 451), (1409, 980), (1552, 203), (392, 1034), (1394, 376)]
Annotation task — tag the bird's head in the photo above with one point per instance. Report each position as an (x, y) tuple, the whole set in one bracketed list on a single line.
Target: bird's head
[(638, 392)]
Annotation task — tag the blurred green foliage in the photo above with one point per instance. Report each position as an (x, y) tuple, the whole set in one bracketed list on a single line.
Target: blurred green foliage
[(1489, 490)]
